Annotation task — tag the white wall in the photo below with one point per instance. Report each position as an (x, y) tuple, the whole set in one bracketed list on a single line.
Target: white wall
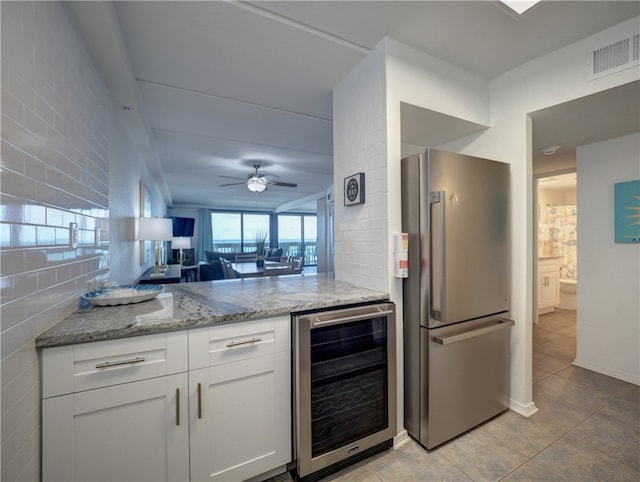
[(608, 329), (126, 170), (504, 104), (62, 154), (359, 145)]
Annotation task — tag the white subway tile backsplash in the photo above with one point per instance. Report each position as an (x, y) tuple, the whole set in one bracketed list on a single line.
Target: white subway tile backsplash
[(5, 236), (45, 236), (53, 153), (12, 107), (21, 90), (22, 236)]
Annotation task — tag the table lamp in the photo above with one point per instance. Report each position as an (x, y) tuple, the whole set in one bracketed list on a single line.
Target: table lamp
[(155, 229), (181, 243)]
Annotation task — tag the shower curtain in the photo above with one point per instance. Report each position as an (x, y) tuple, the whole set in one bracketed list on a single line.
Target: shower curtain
[(562, 222)]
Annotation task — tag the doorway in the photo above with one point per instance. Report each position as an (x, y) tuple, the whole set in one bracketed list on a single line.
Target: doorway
[(556, 241)]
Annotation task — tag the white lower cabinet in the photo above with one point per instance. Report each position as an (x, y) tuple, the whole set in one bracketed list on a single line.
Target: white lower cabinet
[(240, 424), (117, 412), (131, 432), (240, 409)]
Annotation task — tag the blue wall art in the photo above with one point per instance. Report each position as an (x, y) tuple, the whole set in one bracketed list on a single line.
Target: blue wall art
[(627, 212)]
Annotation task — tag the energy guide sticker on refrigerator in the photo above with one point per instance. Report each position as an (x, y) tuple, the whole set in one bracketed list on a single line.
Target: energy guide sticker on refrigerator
[(455, 210)]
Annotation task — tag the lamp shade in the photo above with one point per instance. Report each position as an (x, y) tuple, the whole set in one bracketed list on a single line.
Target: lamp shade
[(181, 243), (155, 229)]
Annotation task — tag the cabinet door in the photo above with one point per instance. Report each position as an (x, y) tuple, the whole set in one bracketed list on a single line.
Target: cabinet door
[(548, 285), (240, 418), (131, 432)]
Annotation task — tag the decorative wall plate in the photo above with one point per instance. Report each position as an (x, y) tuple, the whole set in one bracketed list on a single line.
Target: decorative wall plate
[(354, 189)]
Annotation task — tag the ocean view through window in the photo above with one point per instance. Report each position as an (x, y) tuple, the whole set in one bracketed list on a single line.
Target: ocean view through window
[(296, 234)]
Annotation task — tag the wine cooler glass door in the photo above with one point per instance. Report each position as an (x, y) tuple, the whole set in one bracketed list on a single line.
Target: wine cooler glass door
[(347, 381)]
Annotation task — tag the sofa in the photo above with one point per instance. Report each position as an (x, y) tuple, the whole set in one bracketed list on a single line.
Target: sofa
[(211, 269), (273, 254)]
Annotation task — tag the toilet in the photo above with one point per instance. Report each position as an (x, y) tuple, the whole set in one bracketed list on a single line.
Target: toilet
[(568, 291)]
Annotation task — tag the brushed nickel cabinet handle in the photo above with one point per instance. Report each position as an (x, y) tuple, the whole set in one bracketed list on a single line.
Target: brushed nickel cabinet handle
[(109, 364), (199, 400), (243, 342), (177, 406)]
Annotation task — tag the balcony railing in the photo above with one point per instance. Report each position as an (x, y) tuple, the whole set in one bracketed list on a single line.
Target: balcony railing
[(288, 249)]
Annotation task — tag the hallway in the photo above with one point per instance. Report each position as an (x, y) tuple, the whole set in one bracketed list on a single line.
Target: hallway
[(587, 429)]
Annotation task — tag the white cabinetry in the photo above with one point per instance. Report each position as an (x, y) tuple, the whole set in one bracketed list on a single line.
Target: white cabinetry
[(208, 404), (240, 400), (116, 410), (548, 284)]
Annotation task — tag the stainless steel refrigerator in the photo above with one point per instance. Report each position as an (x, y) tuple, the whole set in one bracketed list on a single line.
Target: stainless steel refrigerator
[(455, 209)]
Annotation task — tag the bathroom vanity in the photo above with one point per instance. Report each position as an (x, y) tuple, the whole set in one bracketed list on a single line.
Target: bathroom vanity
[(548, 284)]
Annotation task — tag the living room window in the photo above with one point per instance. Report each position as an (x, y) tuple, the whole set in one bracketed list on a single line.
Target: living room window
[(236, 232), (298, 235)]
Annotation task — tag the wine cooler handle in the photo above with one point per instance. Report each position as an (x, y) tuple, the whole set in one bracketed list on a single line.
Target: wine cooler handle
[(316, 323)]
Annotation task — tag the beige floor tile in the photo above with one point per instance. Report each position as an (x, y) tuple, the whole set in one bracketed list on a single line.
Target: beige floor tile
[(576, 462), (562, 347), (576, 392), (623, 413), (532, 471), (616, 441), (412, 462), (525, 435), (595, 381), (632, 395), (482, 456), (549, 363), (358, 473), (556, 412), (542, 336), (540, 374)]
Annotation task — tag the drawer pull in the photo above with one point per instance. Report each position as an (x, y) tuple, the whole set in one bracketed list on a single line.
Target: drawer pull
[(243, 342), (177, 406), (199, 400), (109, 364)]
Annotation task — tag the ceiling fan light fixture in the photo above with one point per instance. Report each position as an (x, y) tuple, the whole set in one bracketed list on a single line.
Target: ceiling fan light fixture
[(256, 184)]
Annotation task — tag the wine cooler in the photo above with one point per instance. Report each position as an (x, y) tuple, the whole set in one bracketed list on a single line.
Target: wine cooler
[(344, 386)]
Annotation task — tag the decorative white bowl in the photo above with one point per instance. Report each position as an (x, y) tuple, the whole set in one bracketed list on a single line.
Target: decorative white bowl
[(123, 295)]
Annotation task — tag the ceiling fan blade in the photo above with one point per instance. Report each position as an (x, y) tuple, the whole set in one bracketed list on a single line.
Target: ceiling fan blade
[(231, 177), (283, 184), (232, 184)]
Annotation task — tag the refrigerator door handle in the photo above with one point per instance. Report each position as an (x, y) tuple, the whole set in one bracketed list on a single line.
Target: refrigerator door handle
[(447, 340), (437, 253)]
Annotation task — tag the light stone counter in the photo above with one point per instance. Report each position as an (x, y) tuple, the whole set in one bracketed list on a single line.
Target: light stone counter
[(193, 305)]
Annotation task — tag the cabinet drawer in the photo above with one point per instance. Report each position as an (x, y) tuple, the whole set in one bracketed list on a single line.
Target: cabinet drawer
[(75, 368), (238, 341)]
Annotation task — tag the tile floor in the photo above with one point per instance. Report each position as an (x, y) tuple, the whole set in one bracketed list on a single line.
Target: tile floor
[(587, 429)]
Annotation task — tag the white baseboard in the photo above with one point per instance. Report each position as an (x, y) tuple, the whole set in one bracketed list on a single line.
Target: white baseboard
[(627, 377), (525, 410), (400, 439)]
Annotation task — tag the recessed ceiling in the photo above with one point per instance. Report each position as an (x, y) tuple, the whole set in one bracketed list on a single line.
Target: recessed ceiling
[(214, 86)]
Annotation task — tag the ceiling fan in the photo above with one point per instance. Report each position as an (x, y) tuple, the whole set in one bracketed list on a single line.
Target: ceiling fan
[(257, 182)]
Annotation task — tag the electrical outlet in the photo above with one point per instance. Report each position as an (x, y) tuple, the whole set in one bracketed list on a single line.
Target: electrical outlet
[(73, 235)]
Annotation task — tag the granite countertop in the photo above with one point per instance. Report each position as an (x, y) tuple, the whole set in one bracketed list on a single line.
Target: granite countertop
[(206, 303)]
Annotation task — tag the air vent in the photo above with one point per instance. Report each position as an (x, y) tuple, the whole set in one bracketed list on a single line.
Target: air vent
[(614, 57)]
